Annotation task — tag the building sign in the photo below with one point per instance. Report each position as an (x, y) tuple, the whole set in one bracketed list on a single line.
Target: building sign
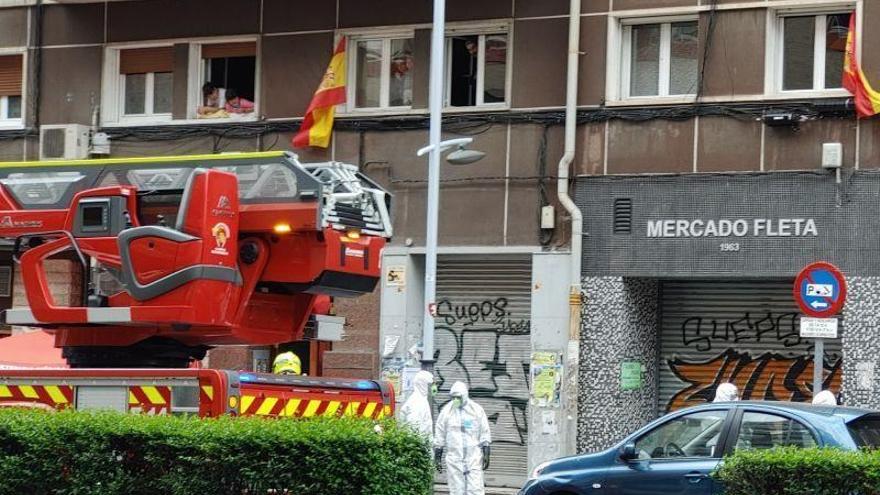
[(740, 227), (709, 225)]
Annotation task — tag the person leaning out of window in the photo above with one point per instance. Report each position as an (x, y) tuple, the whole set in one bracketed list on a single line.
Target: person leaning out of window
[(235, 104), (211, 107)]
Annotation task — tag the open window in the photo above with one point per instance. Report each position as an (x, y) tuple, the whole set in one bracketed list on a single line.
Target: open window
[(477, 69), (11, 75), (228, 80)]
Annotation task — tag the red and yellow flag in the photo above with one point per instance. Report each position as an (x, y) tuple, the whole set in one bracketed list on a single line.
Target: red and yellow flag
[(318, 123), (867, 101)]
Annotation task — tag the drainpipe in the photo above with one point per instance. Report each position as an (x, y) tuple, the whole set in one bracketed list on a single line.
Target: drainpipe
[(577, 224)]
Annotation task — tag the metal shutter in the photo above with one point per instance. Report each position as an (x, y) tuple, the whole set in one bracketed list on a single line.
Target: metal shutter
[(482, 338), (746, 332)]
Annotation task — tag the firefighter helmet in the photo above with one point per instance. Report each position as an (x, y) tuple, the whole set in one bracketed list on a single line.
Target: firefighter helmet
[(287, 363)]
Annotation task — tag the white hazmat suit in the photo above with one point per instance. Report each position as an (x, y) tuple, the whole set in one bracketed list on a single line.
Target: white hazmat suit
[(463, 431), (416, 411), (726, 392), (825, 398)]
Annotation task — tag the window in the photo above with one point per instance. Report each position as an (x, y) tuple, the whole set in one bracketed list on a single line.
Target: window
[(476, 70), (691, 435), (10, 89), (812, 50), (659, 59), (765, 431), (146, 82), (865, 432), (383, 73), (228, 79)]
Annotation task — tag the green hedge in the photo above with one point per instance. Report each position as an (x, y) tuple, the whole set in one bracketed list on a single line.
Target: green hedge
[(107, 453), (793, 471)]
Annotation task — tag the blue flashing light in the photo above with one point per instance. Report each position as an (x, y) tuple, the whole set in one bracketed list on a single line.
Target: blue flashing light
[(246, 378), (365, 385)]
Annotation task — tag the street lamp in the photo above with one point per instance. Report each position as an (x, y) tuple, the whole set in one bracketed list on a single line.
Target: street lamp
[(461, 156), (435, 148)]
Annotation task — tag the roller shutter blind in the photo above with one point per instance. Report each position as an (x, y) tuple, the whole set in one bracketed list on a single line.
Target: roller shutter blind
[(745, 332), (225, 50), (482, 338), (10, 75), (143, 60)]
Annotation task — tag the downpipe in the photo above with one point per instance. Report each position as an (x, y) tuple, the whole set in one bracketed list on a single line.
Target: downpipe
[(577, 223)]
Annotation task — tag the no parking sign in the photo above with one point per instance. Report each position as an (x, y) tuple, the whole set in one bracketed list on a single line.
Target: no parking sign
[(820, 290)]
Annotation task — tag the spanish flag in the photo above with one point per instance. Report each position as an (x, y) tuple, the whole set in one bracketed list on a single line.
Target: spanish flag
[(867, 100), (318, 122)]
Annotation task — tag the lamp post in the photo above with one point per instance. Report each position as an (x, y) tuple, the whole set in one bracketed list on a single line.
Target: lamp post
[(436, 148)]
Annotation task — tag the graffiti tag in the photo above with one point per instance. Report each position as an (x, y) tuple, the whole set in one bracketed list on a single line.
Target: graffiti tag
[(484, 346), (767, 376), (489, 312), (704, 333)]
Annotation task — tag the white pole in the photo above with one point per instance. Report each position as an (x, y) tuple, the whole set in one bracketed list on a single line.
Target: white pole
[(436, 108)]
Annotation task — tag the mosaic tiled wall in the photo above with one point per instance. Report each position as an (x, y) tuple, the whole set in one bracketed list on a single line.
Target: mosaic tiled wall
[(861, 343), (619, 323)]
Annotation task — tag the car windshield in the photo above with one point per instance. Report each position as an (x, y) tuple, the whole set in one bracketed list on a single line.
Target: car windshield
[(865, 432)]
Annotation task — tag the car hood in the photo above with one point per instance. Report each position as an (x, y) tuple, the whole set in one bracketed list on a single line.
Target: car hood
[(559, 468)]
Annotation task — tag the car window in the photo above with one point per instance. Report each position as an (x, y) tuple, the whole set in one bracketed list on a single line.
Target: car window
[(691, 435), (765, 431), (865, 432)]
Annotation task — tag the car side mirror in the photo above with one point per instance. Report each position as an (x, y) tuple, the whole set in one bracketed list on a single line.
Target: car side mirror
[(628, 452)]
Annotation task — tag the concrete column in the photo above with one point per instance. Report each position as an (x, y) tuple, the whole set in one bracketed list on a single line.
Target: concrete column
[(549, 312), (620, 323)]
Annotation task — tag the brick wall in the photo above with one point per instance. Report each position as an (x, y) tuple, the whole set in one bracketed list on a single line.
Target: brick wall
[(357, 356)]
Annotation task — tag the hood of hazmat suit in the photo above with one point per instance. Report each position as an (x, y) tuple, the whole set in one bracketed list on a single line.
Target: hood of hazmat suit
[(726, 392), (416, 411), (825, 398), (462, 429)]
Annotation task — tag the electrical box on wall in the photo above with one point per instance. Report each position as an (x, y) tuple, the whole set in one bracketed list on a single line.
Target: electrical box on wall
[(832, 155), (548, 217)]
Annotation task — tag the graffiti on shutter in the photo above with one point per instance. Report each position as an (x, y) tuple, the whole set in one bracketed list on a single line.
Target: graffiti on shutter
[(746, 333)]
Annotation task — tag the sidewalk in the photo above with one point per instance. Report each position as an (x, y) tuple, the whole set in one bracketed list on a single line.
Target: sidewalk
[(444, 490)]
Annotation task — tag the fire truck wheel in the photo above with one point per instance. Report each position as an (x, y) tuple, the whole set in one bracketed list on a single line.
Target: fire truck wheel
[(150, 353)]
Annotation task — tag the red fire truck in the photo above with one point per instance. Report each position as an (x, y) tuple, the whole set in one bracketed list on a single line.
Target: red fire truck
[(208, 393), (180, 254)]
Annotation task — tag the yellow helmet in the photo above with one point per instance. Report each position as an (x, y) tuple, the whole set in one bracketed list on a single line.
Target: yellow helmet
[(287, 363)]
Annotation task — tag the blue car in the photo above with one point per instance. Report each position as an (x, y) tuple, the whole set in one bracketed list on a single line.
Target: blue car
[(676, 453)]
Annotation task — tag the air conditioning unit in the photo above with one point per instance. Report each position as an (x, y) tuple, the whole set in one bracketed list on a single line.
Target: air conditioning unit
[(64, 142)]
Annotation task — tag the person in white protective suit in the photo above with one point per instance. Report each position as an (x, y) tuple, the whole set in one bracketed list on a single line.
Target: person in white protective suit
[(825, 398), (726, 392), (416, 411), (463, 432)]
